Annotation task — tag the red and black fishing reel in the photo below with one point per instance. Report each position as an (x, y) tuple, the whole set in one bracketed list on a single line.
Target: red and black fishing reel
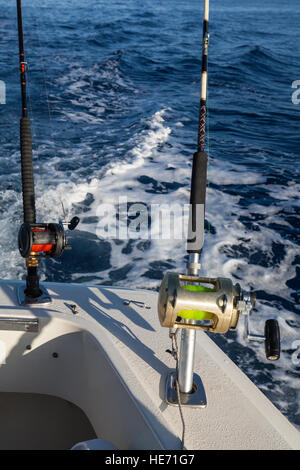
[(44, 240)]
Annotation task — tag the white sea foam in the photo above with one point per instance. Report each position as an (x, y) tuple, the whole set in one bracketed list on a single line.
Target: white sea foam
[(224, 173), (289, 193), (145, 146)]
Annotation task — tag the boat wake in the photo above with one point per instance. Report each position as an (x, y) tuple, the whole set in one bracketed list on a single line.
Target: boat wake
[(119, 131)]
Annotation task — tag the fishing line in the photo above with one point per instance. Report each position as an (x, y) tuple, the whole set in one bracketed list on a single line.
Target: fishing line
[(37, 24)]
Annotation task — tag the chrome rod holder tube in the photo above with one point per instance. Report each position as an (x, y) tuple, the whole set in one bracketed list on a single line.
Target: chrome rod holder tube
[(186, 360), (188, 340)]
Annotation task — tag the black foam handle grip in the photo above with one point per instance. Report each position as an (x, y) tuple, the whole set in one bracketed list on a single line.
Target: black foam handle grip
[(198, 195), (27, 171), (74, 222), (272, 340)]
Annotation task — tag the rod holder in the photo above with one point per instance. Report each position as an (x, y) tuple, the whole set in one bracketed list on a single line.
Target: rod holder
[(193, 302)]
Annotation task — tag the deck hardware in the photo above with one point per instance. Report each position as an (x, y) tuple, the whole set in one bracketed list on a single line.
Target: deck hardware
[(195, 399), (73, 308), (24, 300), (30, 325), (137, 303)]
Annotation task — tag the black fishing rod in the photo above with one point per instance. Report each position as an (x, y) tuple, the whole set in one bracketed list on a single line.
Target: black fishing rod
[(32, 280), (25, 134), (35, 240), (199, 168)]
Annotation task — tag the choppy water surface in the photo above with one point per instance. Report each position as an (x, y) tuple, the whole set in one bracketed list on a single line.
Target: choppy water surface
[(122, 81)]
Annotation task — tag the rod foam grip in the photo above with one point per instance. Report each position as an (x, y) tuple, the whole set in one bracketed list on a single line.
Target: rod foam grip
[(197, 203), (27, 171)]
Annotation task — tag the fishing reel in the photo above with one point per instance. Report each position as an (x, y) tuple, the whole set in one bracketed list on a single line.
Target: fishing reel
[(44, 240), (211, 304)]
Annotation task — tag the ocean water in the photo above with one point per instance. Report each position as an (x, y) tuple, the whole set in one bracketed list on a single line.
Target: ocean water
[(113, 98)]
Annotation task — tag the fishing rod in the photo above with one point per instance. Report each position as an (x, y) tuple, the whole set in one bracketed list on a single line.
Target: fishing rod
[(191, 302), (35, 240), (196, 216), (32, 280), (199, 168)]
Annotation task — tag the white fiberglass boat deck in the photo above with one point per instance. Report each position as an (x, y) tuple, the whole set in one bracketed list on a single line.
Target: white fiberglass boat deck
[(93, 365)]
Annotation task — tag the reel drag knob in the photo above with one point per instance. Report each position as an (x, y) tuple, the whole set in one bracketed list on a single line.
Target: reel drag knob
[(272, 340)]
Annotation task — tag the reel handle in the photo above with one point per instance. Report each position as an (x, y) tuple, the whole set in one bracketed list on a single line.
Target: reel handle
[(73, 223), (272, 340)]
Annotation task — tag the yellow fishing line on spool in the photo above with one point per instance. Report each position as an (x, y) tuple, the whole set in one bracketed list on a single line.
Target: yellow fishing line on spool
[(195, 314)]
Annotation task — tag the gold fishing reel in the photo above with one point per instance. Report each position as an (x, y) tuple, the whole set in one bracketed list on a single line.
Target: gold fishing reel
[(212, 304)]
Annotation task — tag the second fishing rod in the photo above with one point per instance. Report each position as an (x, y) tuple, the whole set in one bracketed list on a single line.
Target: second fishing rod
[(196, 217)]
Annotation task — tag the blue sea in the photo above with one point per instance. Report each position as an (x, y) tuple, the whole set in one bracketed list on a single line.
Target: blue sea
[(114, 90)]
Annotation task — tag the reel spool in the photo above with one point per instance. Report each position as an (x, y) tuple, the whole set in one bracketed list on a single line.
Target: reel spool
[(212, 304), (44, 240), (185, 297)]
